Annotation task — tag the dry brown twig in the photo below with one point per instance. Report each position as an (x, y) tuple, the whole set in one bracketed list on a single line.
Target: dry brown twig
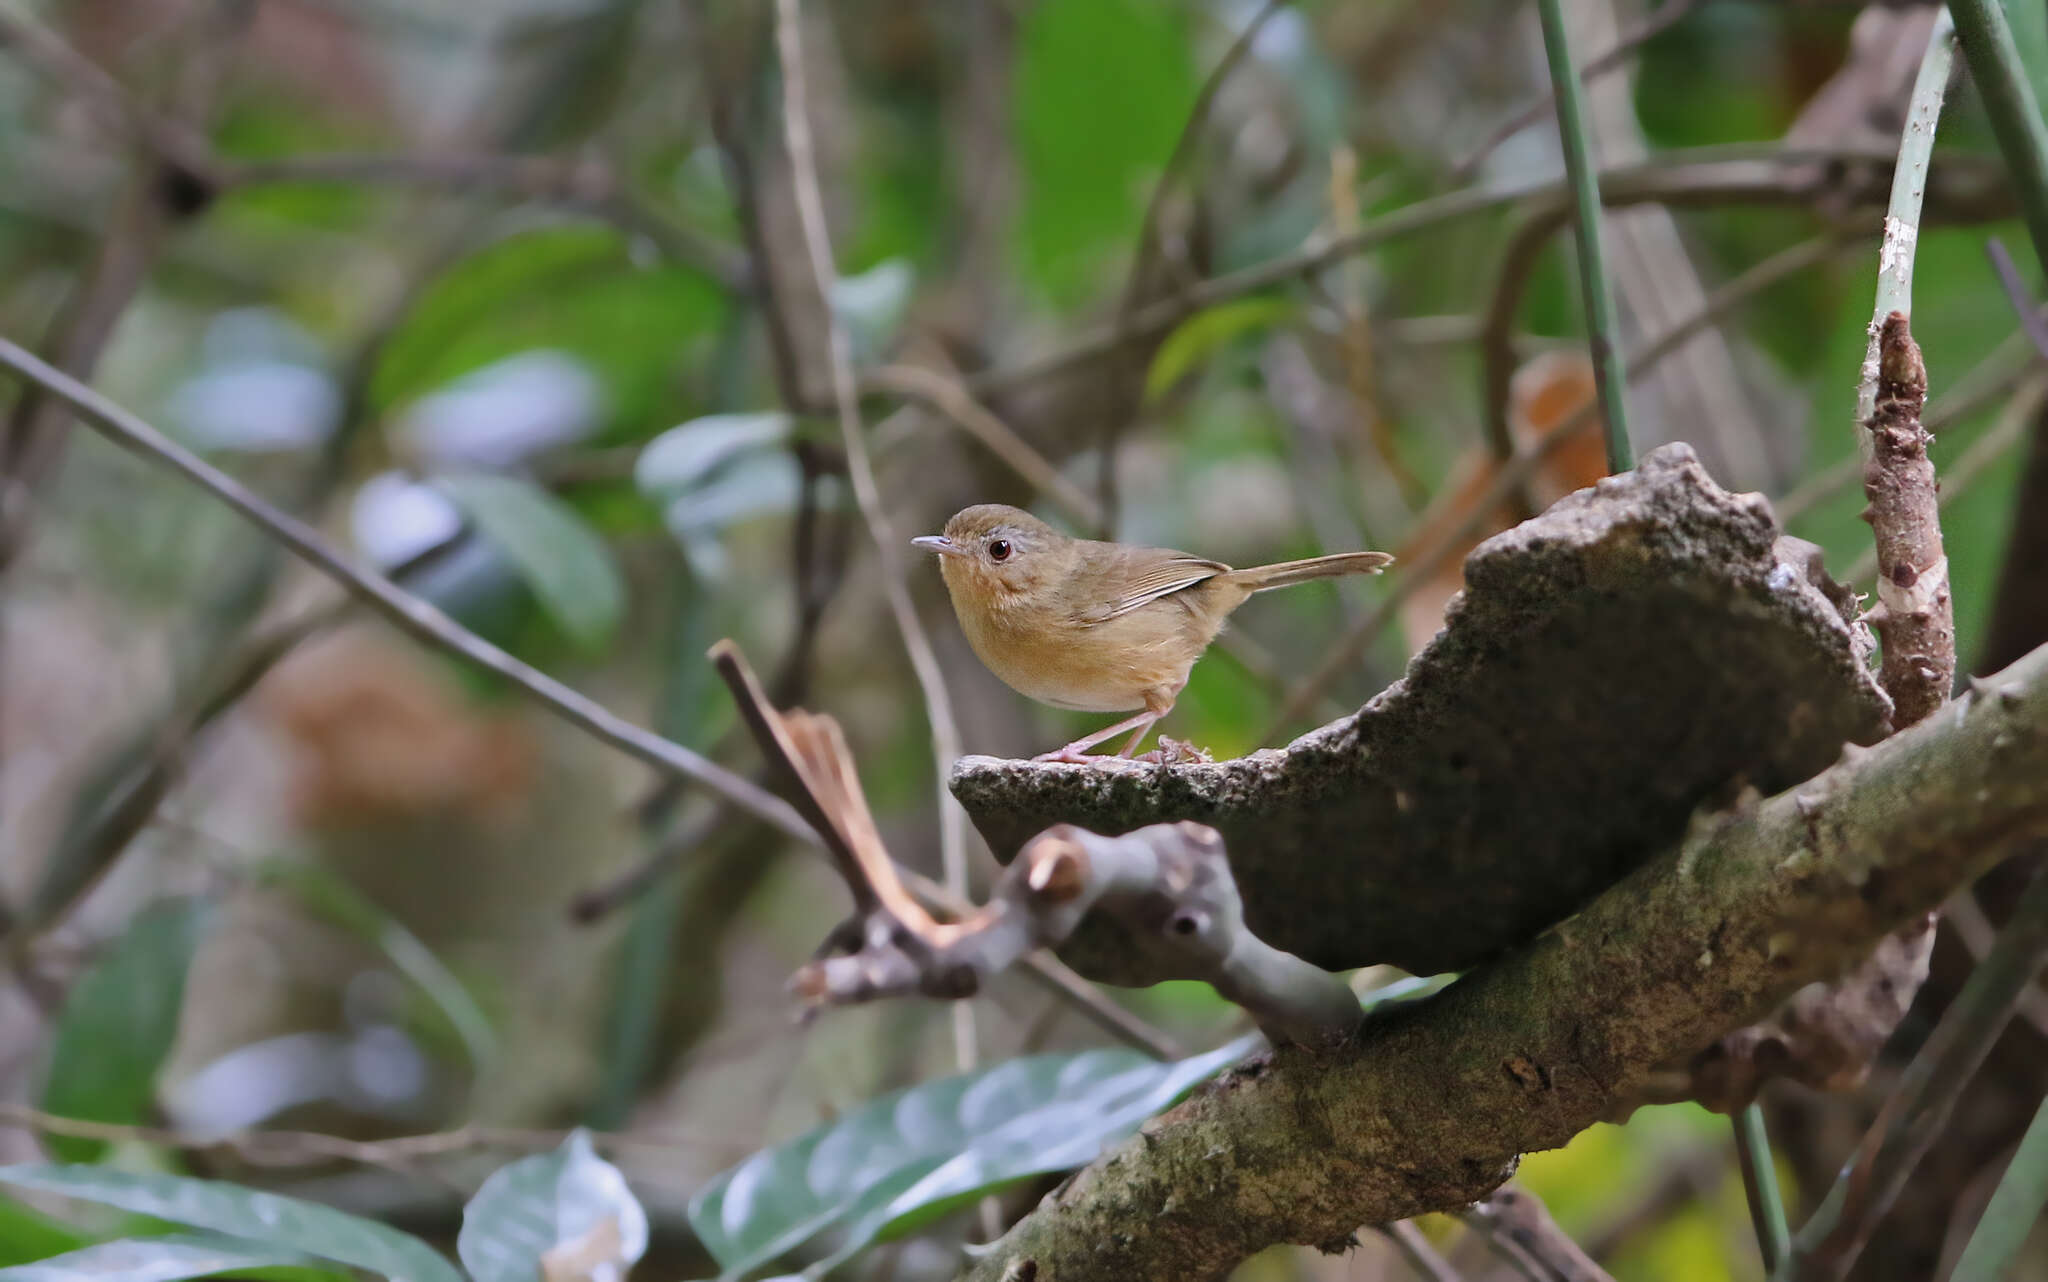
[(1512, 1215), (1168, 885)]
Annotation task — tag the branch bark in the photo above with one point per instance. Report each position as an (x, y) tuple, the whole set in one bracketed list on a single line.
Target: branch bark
[(1432, 1108)]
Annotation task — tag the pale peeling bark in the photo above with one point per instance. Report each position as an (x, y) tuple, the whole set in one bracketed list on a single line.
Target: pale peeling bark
[(1433, 1106)]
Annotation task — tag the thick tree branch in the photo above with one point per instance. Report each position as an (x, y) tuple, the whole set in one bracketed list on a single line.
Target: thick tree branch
[(1433, 1107)]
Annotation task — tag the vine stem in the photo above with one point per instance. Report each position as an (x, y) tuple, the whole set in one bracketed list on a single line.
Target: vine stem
[(1594, 284), (1902, 215)]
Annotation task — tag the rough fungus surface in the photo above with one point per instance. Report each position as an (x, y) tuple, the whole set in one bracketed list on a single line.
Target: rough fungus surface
[(1643, 647)]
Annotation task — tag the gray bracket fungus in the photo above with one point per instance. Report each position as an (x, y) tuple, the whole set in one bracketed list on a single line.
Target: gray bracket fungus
[(1645, 647)]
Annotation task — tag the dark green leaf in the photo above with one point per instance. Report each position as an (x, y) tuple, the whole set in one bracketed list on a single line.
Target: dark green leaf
[(569, 568), (263, 1218), (119, 1022), (934, 1145), (159, 1259), (567, 1199)]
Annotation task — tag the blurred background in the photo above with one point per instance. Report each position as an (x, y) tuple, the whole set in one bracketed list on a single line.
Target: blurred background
[(508, 298)]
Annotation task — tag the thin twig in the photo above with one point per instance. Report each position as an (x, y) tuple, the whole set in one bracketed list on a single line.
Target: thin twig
[(1512, 475), (2008, 96), (1760, 1186), (1914, 1116), (951, 398), (410, 614), (308, 1148), (1597, 290), (1421, 1256), (1651, 26), (1717, 175), (867, 494), (583, 184), (2031, 320)]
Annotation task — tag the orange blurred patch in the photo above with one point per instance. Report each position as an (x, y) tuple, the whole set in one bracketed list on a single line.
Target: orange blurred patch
[(1545, 393), (378, 736)]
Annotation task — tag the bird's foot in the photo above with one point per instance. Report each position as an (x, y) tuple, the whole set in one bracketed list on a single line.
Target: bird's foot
[(1176, 752)]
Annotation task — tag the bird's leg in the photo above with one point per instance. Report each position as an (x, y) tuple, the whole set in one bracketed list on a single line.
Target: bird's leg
[(1138, 735), (1157, 705), (1076, 751)]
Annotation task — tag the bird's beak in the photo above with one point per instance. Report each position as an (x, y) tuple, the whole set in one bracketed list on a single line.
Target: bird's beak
[(939, 543)]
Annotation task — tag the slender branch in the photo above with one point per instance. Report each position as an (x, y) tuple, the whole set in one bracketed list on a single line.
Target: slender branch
[(1917, 1111), (309, 1148), (2031, 321), (410, 614), (931, 679), (583, 184), (1516, 472), (1594, 286), (1669, 15), (1523, 1053), (1704, 176), (2009, 100), (1760, 1186), (951, 398), (1421, 1256)]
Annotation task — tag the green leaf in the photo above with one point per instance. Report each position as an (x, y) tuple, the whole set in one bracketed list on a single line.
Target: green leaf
[(119, 1022), (326, 895), (266, 1219), (566, 1199), (1103, 87), (568, 567), (870, 305), (27, 1234), (922, 1150), (1202, 335), (160, 1259)]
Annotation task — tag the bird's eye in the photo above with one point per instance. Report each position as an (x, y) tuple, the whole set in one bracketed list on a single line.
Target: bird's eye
[(999, 550)]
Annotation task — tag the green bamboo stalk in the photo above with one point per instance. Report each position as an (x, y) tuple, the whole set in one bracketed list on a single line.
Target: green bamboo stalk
[(1760, 1186), (2009, 100), (1602, 335), (1902, 215), (2014, 1207)]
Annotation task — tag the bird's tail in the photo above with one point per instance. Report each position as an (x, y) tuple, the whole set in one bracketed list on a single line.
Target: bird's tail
[(1286, 573)]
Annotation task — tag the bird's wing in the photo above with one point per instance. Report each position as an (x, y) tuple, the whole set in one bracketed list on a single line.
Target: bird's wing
[(1159, 579)]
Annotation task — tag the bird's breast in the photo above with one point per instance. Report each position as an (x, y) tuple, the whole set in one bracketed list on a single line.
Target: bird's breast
[(1103, 667)]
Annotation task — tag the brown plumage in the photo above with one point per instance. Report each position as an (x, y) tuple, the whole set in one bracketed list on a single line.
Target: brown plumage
[(1099, 627)]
